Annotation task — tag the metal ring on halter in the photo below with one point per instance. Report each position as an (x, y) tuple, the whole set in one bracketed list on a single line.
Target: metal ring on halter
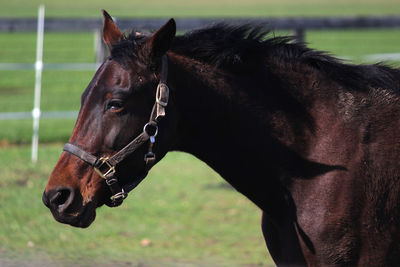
[(150, 124)]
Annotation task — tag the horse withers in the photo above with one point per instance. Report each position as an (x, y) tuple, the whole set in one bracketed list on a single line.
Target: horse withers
[(310, 140)]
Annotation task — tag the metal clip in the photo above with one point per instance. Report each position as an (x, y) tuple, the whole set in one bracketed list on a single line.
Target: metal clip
[(119, 197), (149, 156)]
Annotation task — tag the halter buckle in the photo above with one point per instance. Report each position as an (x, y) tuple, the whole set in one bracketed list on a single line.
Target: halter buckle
[(104, 162), (162, 94)]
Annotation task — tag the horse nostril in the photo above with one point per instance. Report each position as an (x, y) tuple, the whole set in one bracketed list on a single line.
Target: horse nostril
[(59, 199), (45, 199)]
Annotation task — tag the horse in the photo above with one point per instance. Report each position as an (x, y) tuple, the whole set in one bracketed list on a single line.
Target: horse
[(308, 138)]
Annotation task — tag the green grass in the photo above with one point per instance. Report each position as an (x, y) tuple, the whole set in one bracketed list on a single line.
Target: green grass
[(20, 131), (61, 90), (356, 44), (205, 8), (58, 47), (183, 207)]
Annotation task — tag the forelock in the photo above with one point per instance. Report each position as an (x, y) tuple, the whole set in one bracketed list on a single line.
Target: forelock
[(128, 48)]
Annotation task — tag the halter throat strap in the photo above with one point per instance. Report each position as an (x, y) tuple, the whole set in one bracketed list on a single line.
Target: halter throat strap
[(106, 166)]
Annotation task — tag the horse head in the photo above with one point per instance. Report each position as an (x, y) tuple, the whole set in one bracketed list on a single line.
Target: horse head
[(116, 138)]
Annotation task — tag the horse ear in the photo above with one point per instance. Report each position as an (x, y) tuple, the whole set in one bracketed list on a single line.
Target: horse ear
[(161, 40), (111, 33)]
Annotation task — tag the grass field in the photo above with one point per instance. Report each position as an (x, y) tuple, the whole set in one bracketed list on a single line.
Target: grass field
[(190, 216)]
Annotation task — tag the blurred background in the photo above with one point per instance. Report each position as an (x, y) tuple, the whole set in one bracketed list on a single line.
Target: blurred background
[(183, 214)]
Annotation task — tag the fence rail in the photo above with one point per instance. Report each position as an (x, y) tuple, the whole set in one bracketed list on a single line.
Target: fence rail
[(68, 114), (298, 24), (289, 23)]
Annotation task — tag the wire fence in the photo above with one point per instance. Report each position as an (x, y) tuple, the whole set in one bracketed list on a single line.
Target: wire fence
[(78, 45)]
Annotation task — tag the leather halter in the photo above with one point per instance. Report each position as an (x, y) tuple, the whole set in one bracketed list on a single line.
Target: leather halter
[(105, 166)]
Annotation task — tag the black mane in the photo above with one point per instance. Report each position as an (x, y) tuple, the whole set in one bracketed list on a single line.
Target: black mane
[(234, 47)]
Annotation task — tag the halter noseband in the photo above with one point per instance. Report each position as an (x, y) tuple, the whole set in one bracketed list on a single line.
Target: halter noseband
[(105, 166)]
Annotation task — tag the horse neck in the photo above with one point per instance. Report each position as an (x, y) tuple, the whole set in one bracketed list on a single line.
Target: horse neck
[(227, 128)]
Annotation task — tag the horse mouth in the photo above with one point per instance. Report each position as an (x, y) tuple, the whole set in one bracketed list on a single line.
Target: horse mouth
[(82, 218)]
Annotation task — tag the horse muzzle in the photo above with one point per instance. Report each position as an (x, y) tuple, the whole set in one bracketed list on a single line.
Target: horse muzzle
[(66, 207)]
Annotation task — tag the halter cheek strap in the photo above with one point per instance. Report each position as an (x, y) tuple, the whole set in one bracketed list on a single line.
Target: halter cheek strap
[(105, 166)]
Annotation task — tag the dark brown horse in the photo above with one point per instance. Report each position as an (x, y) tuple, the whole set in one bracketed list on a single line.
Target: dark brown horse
[(313, 142)]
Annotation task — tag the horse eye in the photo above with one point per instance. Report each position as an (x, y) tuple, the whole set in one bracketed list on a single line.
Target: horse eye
[(115, 105)]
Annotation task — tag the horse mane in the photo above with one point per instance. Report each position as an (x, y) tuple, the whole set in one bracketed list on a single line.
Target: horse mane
[(246, 47)]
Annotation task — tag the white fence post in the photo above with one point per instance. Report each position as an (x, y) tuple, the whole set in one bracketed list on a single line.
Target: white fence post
[(38, 83)]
